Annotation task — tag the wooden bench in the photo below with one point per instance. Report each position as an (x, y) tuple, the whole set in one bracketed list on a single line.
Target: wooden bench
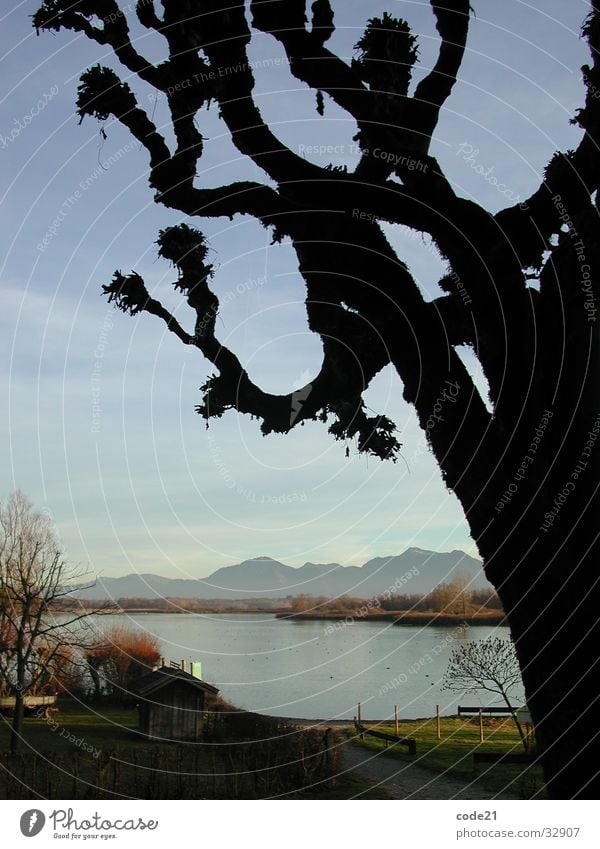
[(464, 710)]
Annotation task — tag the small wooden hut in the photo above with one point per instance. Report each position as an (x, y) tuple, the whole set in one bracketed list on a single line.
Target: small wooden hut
[(171, 704)]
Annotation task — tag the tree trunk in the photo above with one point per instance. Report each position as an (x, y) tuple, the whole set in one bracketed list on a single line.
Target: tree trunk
[(517, 721), (560, 672), (95, 681), (17, 726), (557, 644), (549, 582), (16, 731)]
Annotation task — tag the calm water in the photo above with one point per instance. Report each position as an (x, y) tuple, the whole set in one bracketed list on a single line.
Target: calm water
[(314, 669)]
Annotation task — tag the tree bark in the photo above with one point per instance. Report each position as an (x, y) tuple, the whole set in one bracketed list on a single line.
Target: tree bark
[(549, 585), (16, 732), (95, 681)]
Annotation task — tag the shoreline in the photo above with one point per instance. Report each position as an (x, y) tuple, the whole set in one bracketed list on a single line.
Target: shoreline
[(401, 618), (395, 617), (137, 610)]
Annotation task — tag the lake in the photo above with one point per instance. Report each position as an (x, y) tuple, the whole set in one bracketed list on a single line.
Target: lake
[(316, 669)]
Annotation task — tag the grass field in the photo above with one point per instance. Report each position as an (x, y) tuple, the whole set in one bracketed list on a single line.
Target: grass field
[(454, 752), (85, 752), (96, 752)]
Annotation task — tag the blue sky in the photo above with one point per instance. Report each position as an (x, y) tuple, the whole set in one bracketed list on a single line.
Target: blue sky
[(99, 425)]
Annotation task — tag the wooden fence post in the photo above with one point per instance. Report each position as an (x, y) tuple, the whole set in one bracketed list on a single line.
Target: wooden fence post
[(480, 726), (396, 718), (438, 725)]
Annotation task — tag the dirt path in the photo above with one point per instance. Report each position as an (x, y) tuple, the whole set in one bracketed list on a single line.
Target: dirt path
[(409, 780), (401, 780)]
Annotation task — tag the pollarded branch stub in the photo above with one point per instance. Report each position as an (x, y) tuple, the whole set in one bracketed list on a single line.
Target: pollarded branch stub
[(387, 53), (101, 93), (186, 248), (128, 292), (130, 295)]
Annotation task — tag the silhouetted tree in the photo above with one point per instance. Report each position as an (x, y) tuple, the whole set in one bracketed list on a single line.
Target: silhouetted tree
[(490, 665), (521, 290)]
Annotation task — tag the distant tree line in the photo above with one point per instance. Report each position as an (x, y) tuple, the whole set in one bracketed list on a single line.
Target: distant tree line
[(447, 598), (172, 604), (453, 597)]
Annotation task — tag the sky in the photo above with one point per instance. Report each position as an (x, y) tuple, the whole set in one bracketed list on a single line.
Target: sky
[(98, 425)]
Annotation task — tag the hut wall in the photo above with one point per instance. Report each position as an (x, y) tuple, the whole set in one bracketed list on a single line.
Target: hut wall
[(175, 714)]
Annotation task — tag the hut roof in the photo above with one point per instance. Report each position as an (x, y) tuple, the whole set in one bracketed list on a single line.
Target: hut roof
[(167, 675)]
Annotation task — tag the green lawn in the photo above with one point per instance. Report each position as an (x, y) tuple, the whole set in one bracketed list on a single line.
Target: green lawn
[(63, 757), (454, 752), (99, 726), (95, 752)]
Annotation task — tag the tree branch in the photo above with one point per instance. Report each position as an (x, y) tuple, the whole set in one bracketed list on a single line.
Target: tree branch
[(353, 354), (63, 14), (452, 23), (309, 60), (101, 93), (223, 37)]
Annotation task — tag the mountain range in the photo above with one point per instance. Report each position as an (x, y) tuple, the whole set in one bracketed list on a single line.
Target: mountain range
[(414, 571)]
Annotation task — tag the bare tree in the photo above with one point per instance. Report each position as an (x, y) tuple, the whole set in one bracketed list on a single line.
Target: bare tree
[(33, 576), (521, 290), (490, 665)]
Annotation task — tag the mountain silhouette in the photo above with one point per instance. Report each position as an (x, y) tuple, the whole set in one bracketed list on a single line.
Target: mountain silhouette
[(416, 570)]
